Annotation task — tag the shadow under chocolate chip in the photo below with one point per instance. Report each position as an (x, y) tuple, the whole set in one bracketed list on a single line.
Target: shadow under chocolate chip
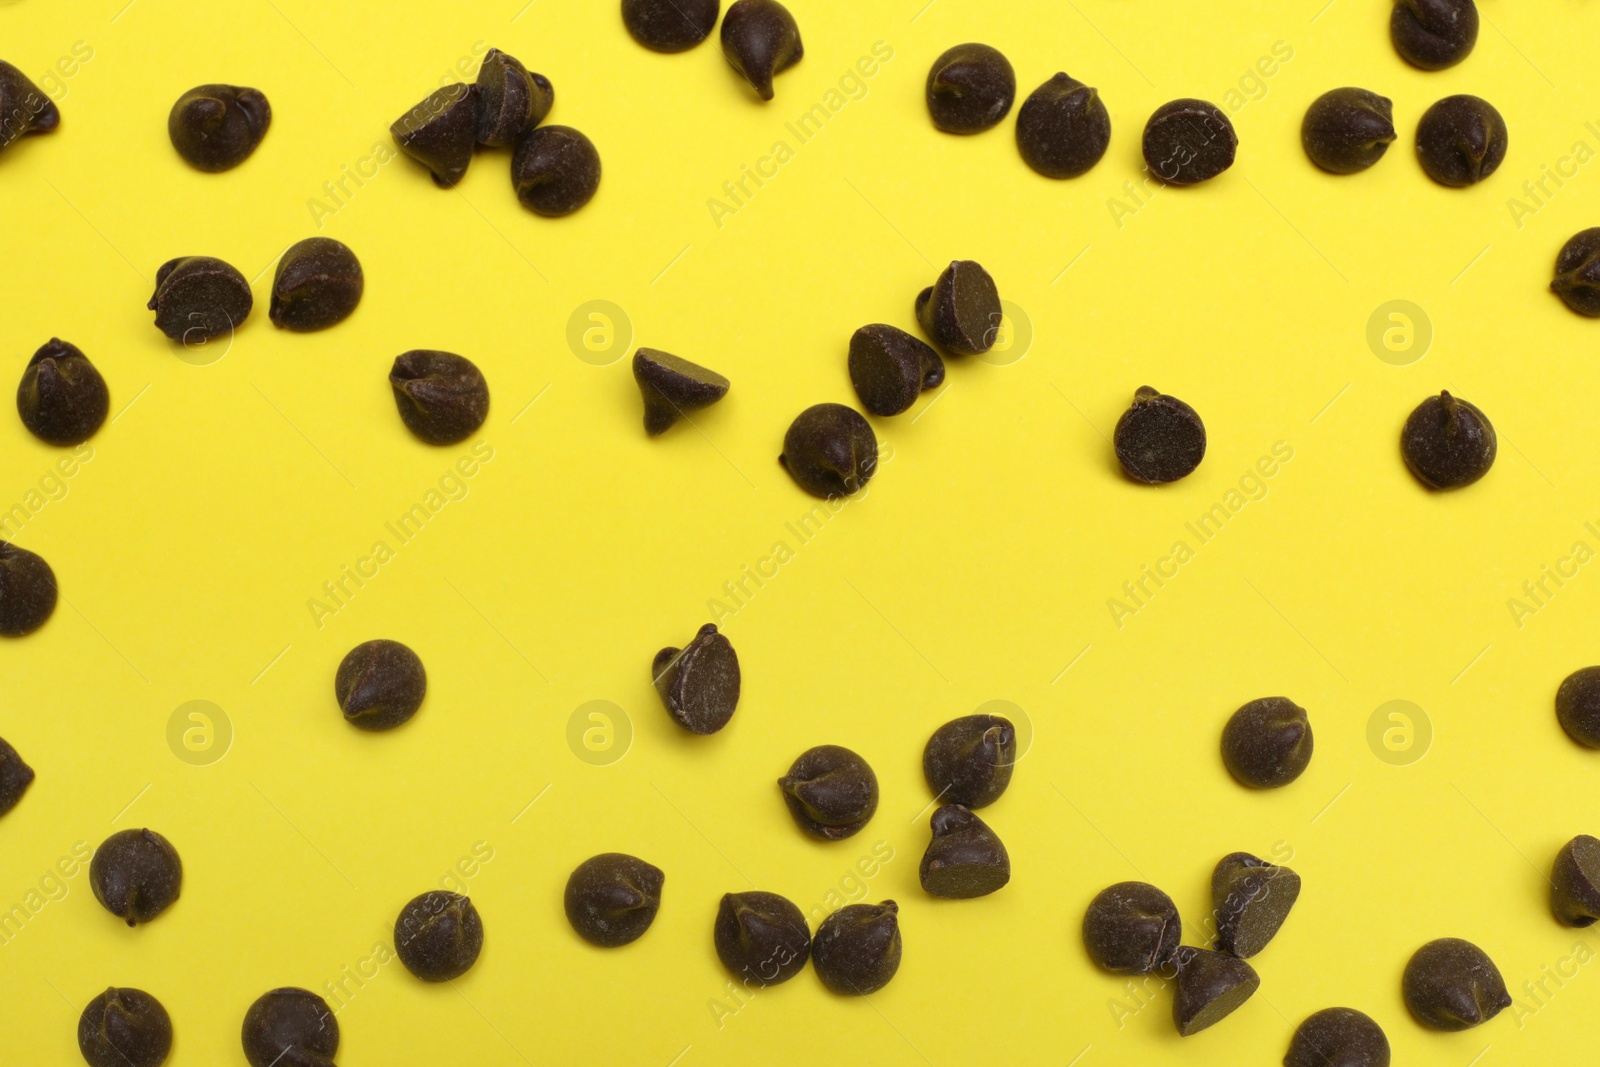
[(1461, 140), (1577, 706), (1451, 984), (380, 685), (831, 792), (1210, 986), (290, 1026), (1345, 131), (830, 451), (760, 39), (438, 936), (611, 899), (136, 875), (1577, 280), (217, 127), (965, 858), (62, 399), (699, 684), (857, 948), (1132, 928), (511, 100), (1448, 443), (1575, 882), (1338, 1037), (25, 106), (1267, 743), (672, 387), (318, 284), (761, 938), (1159, 439), (1434, 34), (198, 298), (1250, 899), (890, 368), (441, 132), (1063, 128), (961, 309), (27, 591), (968, 761), (970, 88), (15, 777), (670, 25), (1189, 141), (555, 171), (442, 397), (124, 1028)]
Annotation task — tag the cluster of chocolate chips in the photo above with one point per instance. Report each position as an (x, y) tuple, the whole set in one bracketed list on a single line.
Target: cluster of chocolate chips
[(759, 37), (318, 284)]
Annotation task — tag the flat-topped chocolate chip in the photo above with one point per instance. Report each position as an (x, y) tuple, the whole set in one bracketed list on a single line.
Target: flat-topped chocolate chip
[(1210, 986), (1575, 882), (441, 132), (1250, 899), (672, 387), (961, 310), (511, 100), (890, 368), (699, 683), (965, 858)]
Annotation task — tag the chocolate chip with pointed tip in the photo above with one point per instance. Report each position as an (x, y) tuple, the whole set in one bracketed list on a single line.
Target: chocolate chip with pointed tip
[(1267, 743), (1577, 706), (670, 25), (857, 948), (1448, 443), (961, 310), (217, 127), (1159, 439), (380, 685), (1063, 128), (27, 591), (25, 107), (290, 1027), (890, 368), (438, 936), (136, 875), (1210, 986), (1132, 928), (1575, 882), (760, 39), (830, 450), (198, 298), (699, 684), (970, 88), (62, 399), (1189, 141), (1461, 140), (442, 397), (15, 777), (965, 858), (511, 99), (1577, 280), (830, 791), (124, 1028), (1347, 130), (761, 938), (968, 761), (1434, 34), (673, 387), (441, 132), (555, 171), (1250, 899), (611, 899), (1338, 1037), (1451, 984)]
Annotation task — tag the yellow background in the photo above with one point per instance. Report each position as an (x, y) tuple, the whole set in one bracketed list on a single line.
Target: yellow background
[(977, 567)]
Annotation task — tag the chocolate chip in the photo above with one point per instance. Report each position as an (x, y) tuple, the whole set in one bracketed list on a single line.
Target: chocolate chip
[(890, 368), (673, 387), (1210, 986), (857, 948), (1575, 882), (24, 108), (760, 39), (961, 310), (511, 100), (1434, 34), (216, 127), (136, 875), (62, 398), (442, 397), (1267, 743), (198, 298), (124, 1028), (1577, 705), (1063, 128), (1250, 899), (1447, 443), (1132, 928), (438, 936), (380, 685), (1159, 439), (830, 791), (1577, 280), (1189, 141), (761, 938), (830, 450), (1338, 1037), (1451, 984), (670, 25), (612, 898), (441, 132), (290, 1028), (1461, 140), (1348, 130), (968, 761), (970, 88), (965, 859), (555, 171), (318, 284), (27, 591), (15, 777), (699, 684)]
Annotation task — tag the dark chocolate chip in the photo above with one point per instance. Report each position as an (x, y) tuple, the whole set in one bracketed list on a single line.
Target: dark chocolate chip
[(24, 108), (612, 898), (670, 25), (1250, 898), (27, 591), (555, 171), (1577, 706), (890, 368), (62, 398), (1461, 140), (857, 948), (968, 761), (1451, 984), (830, 791), (136, 875), (1348, 130), (961, 310), (1063, 128), (441, 132), (318, 284), (442, 397), (124, 1028), (699, 684), (761, 938), (673, 387), (760, 39), (965, 859), (511, 100), (438, 936), (290, 1028), (1434, 34), (216, 127), (1575, 882), (1159, 439), (1132, 928), (1447, 443), (15, 777), (970, 88), (1577, 280), (830, 450), (1338, 1037), (198, 298), (379, 685), (1267, 743), (1210, 986), (1189, 141)]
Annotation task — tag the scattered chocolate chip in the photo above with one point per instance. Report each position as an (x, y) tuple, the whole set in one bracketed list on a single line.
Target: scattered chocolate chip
[(438, 936), (673, 387), (1063, 128), (1210, 986), (968, 761), (62, 398), (198, 298), (1132, 928), (1461, 140), (555, 171), (1189, 141), (699, 684), (318, 284), (890, 368), (670, 25), (760, 39), (216, 127), (613, 898), (24, 108), (1250, 899), (1338, 1037), (961, 310), (1434, 34), (1577, 705), (442, 397), (1267, 743), (1575, 882), (27, 591), (1447, 443), (857, 948), (136, 875), (511, 100), (1348, 130), (1577, 280), (830, 450), (970, 88), (830, 791), (124, 1028), (965, 859), (441, 132), (290, 1028), (1451, 984), (15, 777), (1159, 439), (761, 937), (380, 685)]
